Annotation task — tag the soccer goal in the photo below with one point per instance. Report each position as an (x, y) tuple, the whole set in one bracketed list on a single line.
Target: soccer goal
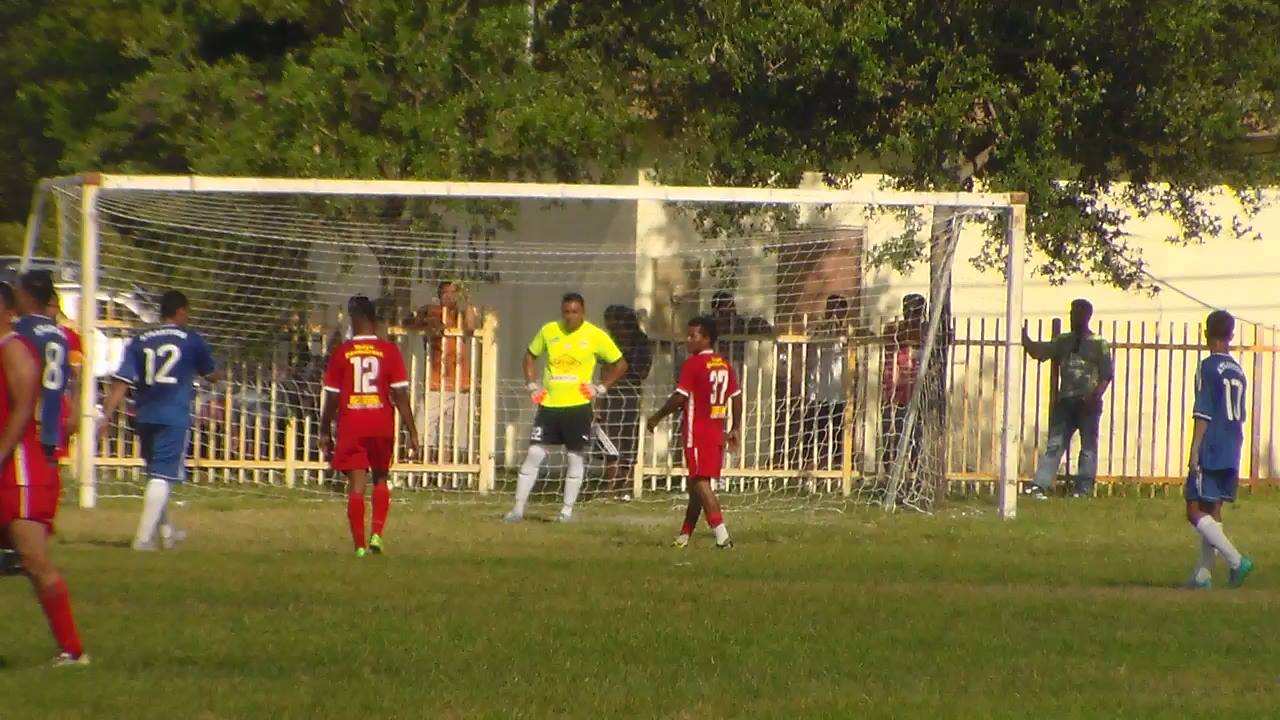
[(831, 304)]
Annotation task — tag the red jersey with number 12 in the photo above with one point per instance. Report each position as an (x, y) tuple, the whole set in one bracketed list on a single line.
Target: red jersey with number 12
[(707, 382), (362, 372)]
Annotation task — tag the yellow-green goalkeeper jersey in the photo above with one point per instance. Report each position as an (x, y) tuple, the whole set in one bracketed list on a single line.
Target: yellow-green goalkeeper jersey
[(571, 360)]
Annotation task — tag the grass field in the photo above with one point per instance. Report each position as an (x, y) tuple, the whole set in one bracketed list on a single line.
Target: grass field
[(1068, 612)]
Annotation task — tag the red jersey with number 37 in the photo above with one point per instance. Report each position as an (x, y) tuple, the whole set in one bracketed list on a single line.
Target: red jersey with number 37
[(707, 382), (362, 372)]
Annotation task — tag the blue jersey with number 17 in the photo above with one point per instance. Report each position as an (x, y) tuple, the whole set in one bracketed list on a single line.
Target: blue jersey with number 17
[(55, 367), (162, 366), (1220, 400)]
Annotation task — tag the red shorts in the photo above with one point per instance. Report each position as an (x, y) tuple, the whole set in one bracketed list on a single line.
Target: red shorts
[(704, 461), (38, 503), (362, 453)]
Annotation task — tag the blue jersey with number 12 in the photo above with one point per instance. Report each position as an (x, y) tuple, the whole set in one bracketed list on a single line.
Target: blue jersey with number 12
[(162, 366), (1220, 400), (55, 367)]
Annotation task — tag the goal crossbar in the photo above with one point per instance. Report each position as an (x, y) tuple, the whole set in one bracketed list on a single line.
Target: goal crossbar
[(541, 191)]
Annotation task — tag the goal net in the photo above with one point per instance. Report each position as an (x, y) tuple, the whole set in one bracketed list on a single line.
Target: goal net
[(831, 308)]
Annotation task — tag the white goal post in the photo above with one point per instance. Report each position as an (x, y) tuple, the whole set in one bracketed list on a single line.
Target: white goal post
[(91, 188)]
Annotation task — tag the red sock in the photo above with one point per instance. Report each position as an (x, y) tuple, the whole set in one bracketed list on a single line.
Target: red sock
[(381, 506), (355, 518), (687, 528), (57, 607), (715, 520)]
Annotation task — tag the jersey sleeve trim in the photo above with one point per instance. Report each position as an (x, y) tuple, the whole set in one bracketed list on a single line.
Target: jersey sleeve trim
[(1201, 416), (400, 384), (736, 392), (682, 391), (123, 379), (330, 388)]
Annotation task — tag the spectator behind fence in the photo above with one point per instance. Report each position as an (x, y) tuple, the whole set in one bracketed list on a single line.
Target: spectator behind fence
[(1085, 371), (448, 401), (724, 310), (903, 351), (619, 413), (826, 391)]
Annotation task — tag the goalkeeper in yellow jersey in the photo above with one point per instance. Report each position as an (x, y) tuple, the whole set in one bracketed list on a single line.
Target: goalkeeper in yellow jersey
[(572, 346)]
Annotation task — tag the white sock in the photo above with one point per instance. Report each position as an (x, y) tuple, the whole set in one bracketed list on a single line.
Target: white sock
[(722, 533), (1204, 568), (1211, 531), (153, 505), (572, 482), (528, 476)]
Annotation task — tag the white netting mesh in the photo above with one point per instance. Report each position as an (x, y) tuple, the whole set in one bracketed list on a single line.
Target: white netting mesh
[(839, 389)]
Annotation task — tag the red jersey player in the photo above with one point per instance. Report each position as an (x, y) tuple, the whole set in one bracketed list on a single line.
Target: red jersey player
[(708, 392), (364, 379), (28, 490)]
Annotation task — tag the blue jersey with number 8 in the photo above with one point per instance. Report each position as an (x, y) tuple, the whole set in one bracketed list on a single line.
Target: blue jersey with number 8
[(162, 366), (55, 367), (1220, 399)]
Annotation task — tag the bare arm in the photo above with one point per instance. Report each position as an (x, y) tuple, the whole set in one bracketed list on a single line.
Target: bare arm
[(613, 372), (530, 368), (20, 371), (1197, 438), (673, 404), (328, 409), (114, 397), (735, 415), (73, 387), (470, 318), (1038, 351), (400, 396)]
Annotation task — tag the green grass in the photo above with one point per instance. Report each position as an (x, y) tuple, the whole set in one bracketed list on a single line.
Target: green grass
[(1068, 612)]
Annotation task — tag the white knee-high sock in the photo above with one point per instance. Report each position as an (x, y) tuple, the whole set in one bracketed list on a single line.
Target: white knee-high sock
[(153, 507), (528, 476), (573, 482), (1204, 568), (1211, 531)]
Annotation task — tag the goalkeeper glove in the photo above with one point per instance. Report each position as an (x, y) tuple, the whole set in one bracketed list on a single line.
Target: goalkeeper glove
[(536, 393), (592, 391)]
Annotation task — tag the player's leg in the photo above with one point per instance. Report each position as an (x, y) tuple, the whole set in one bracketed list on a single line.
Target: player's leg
[(30, 540), (1204, 493), (356, 481), (380, 464), (162, 454), (711, 506), (1060, 429), (543, 433), (576, 433), (691, 513), (1227, 481)]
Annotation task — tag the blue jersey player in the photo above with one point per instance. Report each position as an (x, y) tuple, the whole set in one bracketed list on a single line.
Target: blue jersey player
[(33, 295), (1214, 464), (161, 365)]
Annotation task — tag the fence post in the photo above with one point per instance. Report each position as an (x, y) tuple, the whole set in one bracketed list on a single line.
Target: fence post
[(1255, 411), (290, 451), (488, 403), (846, 428)]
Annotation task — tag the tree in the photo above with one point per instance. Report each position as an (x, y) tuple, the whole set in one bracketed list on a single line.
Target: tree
[(1062, 102)]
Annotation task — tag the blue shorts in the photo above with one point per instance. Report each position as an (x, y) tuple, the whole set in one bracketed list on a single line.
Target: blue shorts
[(1212, 486), (164, 450)]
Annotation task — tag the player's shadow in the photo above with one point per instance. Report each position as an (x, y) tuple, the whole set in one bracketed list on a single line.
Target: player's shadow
[(98, 542)]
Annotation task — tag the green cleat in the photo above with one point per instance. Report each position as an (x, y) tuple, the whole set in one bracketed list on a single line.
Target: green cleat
[(1239, 574), (360, 552), (375, 544)]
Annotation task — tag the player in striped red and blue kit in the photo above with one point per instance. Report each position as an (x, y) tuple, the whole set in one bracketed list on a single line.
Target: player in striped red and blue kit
[(161, 365), (28, 488), (1214, 463), (34, 295)]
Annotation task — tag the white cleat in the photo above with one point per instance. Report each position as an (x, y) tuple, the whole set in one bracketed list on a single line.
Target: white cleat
[(726, 545), (564, 517), (62, 660), (149, 546), (681, 541), (513, 517)]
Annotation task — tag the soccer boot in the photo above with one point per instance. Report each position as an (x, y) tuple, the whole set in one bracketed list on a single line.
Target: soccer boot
[(681, 541), (1194, 584), (361, 552), (66, 659), (375, 544), (10, 563), (174, 538), (513, 517), (564, 517), (1239, 574), (148, 546), (726, 545)]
